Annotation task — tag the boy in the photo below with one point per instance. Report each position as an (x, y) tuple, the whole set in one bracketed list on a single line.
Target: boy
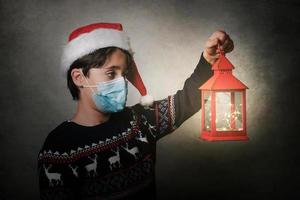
[(107, 150)]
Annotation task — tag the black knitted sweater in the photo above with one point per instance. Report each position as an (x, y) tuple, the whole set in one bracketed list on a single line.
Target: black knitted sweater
[(115, 159)]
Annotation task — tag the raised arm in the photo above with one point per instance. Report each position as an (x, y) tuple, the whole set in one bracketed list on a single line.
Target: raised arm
[(167, 114)]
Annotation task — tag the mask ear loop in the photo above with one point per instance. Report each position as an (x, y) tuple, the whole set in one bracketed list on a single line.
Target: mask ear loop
[(87, 86)]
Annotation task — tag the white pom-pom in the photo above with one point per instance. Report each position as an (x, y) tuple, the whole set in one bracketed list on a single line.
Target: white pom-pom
[(146, 100)]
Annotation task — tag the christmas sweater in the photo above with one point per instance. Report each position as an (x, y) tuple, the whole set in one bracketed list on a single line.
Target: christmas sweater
[(115, 159)]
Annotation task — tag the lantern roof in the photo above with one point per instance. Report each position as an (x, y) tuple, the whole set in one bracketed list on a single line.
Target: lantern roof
[(223, 79), (222, 63)]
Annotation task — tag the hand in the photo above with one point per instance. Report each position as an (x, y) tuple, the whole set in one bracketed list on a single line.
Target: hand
[(217, 42)]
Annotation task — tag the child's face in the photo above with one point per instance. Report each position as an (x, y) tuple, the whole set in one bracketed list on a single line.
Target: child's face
[(114, 67)]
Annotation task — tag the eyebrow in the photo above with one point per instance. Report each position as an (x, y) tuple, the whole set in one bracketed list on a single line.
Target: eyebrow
[(116, 66)]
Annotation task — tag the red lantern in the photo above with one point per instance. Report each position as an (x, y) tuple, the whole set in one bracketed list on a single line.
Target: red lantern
[(223, 104)]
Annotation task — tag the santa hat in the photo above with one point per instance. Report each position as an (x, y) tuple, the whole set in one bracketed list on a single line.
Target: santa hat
[(89, 38)]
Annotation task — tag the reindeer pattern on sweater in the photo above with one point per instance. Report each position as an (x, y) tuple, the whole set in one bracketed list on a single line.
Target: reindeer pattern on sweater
[(115, 159)]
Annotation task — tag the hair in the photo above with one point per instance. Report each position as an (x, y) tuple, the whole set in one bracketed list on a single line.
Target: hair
[(95, 59)]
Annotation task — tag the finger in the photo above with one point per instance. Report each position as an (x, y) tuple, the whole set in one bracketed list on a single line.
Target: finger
[(220, 35), (228, 42), (229, 47), (225, 44), (211, 46), (211, 43)]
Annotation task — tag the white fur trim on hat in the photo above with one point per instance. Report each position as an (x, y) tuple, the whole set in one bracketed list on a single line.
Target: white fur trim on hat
[(146, 100), (88, 42)]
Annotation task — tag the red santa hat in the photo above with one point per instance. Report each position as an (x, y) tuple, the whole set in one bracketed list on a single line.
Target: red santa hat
[(89, 38)]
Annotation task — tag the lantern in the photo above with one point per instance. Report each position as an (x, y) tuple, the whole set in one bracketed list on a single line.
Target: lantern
[(223, 104)]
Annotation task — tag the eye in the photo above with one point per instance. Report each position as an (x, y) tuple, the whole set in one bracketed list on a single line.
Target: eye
[(111, 74)]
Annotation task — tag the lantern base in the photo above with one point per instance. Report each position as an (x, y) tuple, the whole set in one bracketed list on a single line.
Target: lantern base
[(224, 136)]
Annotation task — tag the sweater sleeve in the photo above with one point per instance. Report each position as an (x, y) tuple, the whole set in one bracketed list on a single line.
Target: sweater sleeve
[(57, 180), (167, 114)]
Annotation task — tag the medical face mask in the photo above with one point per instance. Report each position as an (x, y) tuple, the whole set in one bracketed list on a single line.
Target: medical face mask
[(111, 96)]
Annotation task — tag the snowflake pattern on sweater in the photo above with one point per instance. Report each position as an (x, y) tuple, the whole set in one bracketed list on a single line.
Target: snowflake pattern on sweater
[(115, 159)]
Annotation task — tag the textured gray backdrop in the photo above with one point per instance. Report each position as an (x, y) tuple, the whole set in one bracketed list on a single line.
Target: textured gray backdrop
[(168, 38)]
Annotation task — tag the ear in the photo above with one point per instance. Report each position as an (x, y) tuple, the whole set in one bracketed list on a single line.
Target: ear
[(77, 77)]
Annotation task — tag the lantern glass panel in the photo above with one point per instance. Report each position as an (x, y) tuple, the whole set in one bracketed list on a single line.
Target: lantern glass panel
[(207, 111), (238, 111), (229, 111)]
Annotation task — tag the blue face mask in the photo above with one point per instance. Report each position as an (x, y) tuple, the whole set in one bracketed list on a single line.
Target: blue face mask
[(111, 96)]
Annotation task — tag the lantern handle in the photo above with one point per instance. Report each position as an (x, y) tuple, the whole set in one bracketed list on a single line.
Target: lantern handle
[(221, 51)]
